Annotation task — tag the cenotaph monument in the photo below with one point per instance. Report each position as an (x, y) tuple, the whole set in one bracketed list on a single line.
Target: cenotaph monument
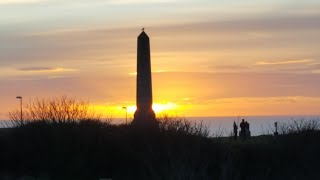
[(144, 114)]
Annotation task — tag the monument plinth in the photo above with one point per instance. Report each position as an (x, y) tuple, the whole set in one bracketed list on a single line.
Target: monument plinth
[(144, 114)]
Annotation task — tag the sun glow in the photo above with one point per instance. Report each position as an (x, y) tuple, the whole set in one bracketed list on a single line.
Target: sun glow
[(118, 111), (114, 111), (157, 107)]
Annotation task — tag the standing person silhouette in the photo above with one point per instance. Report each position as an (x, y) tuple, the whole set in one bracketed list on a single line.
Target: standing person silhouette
[(242, 129), (247, 129), (235, 130), (276, 127)]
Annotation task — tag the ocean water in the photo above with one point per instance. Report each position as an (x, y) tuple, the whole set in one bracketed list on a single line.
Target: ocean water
[(223, 126), (259, 125)]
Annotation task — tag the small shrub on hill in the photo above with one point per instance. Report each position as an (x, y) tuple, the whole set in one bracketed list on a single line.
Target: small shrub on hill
[(180, 125), (299, 126), (63, 111)]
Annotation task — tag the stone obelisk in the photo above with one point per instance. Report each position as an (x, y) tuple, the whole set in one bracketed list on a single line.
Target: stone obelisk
[(144, 114)]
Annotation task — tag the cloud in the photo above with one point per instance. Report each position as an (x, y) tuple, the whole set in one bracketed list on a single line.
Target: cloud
[(240, 36), (288, 99), (228, 68), (223, 85), (12, 2), (298, 66), (84, 2), (45, 69), (140, 1), (278, 105), (155, 71), (284, 62), (317, 71)]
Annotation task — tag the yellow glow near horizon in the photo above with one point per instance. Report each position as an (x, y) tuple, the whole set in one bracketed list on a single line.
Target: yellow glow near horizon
[(295, 105), (118, 111), (157, 107)]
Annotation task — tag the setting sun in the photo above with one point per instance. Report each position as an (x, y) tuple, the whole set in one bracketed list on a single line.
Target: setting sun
[(157, 107), (118, 111)]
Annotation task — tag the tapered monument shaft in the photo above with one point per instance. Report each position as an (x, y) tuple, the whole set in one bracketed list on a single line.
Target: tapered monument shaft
[(144, 113)]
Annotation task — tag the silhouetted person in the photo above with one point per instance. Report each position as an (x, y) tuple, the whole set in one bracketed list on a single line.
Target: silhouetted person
[(247, 129), (242, 129), (276, 126), (235, 130)]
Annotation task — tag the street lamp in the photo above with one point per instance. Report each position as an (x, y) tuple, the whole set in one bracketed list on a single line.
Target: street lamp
[(19, 97), (126, 114)]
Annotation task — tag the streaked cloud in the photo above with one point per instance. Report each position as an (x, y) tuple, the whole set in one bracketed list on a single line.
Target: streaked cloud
[(317, 71), (284, 62), (45, 69), (10, 2), (140, 1), (250, 106), (205, 45)]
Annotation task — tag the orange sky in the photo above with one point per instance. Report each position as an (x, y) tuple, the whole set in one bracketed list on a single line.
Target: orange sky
[(209, 58)]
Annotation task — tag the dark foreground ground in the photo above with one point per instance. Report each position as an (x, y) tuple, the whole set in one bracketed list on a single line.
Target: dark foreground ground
[(93, 150)]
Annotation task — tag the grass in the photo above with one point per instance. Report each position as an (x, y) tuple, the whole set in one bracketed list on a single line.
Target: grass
[(93, 148)]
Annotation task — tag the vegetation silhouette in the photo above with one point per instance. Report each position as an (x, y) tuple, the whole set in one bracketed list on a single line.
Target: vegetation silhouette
[(55, 110), (88, 147)]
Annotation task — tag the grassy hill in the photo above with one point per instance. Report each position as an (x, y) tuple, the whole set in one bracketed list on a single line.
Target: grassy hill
[(91, 149)]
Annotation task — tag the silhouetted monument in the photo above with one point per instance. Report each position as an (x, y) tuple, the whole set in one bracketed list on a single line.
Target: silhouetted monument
[(144, 114)]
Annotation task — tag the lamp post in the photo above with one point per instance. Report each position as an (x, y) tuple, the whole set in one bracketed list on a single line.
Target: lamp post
[(126, 114), (19, 97)]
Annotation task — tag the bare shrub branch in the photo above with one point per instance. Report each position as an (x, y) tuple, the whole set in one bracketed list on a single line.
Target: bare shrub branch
[(176, 124), (55, 110), (299, 126)]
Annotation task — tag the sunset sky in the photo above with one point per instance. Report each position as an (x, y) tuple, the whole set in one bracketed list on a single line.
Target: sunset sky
[(209, 57)]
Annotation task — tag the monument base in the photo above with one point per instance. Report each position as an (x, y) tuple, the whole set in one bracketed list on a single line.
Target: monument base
[(146, 118)]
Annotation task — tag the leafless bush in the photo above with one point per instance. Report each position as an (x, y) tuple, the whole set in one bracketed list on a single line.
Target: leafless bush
[(220, 132), (268, 130), (55, 110), (181, 125), (299, 126)]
